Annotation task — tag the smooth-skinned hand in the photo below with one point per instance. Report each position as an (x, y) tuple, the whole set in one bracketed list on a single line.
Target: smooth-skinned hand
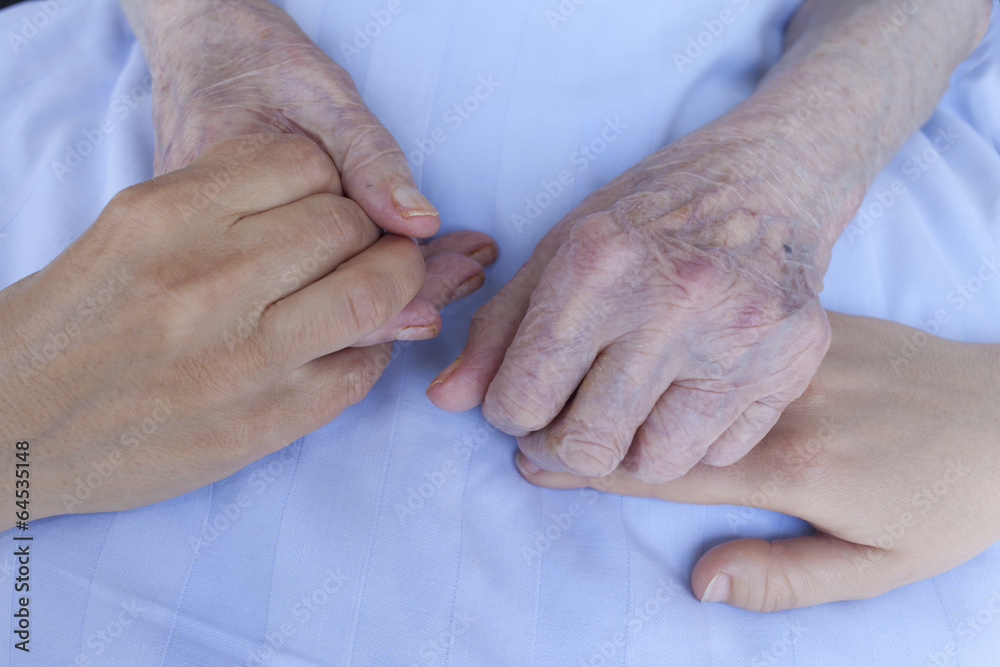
[(894, 459), (207, 318)]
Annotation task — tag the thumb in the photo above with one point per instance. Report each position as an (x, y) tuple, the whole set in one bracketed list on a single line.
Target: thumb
[(375, 173), (759, 575)]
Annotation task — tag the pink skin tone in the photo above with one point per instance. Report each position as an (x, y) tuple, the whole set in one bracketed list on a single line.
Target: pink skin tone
[(673, 315), (895, 465), (226, 69)]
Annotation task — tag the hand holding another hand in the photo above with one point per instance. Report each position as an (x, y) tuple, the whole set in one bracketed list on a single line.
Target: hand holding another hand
[(667, 320), (897, 466), (224, 69), (207, 318)]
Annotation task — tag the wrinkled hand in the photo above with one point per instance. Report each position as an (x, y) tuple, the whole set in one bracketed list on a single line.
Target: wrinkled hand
[(668, 319), (235, 68), (196, 327), (897, 465)]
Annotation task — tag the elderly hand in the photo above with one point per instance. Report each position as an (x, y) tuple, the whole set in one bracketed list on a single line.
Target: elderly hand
[(668, 319), (204, 320), (672, 316), (896, 464), (227, 69)]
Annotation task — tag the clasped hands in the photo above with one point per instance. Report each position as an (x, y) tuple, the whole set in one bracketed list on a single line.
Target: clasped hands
[(662, 327)]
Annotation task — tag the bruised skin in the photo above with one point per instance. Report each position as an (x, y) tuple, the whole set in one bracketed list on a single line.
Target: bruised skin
[(224, 69)]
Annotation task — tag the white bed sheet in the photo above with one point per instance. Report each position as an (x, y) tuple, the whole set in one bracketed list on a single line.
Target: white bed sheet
[(408, 527)]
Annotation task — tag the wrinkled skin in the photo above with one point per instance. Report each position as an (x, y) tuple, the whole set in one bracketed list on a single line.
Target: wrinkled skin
[(190, 331), (668, 319), (226, 69), (894, 462)]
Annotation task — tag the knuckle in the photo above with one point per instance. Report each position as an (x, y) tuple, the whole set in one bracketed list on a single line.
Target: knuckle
[(304, 158), (363, 306), (513, 410), (587, 456), (350, 229), (775, 592), (658, 464), (370, 141)]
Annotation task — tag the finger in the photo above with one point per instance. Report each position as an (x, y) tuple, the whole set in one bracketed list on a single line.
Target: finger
[(462, 385), (419, 320), (476, 245), (748, 430), (591, 436), (375, 173), (759, 575), (315, 394), (245, 175), (703, 485), (679, 430), (292, 246), (359, 297), (449, 277)]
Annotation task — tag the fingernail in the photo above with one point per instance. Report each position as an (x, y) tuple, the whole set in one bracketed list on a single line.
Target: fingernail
[(485, 255), (446, 373), (409, 202), (525, 465), (718, 588), (469, 286), (416, 333)]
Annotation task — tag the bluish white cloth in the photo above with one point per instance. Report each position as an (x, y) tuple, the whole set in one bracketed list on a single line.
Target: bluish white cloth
[(402, 535)]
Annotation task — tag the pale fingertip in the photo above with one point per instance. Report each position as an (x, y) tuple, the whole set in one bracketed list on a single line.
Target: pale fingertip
[(410, 203), (718, 588), (527, 467)]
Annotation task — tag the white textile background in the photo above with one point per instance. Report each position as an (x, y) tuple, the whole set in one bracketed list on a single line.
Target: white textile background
[(402, 535)]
